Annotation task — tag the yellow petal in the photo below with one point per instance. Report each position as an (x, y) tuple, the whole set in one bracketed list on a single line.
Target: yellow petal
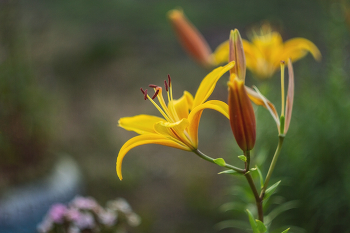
[(208, 84), (297, 48), (250, 50), (290, 96), (196, 113), (268, 41), (221, 53), (175, 131), (189, 99), (261, 100), (141, 124), (256, 61), (183, 105), (142, 140)]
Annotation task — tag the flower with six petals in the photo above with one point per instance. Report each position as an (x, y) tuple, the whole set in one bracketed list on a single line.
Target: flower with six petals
[(179, 126)]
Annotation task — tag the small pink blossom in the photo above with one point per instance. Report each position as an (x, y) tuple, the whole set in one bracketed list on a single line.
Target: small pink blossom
[(85, 221), (108, 218), (57, 213), (87, 203), (72, 214)]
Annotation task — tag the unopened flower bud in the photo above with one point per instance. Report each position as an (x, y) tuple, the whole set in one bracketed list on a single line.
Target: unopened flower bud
[(236, 53), (190, 38), (242, 117)]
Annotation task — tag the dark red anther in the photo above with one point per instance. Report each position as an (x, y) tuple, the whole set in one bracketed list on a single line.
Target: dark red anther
[(166, 85), (155, 94), (169, 79), (145, 94), (153, 86)]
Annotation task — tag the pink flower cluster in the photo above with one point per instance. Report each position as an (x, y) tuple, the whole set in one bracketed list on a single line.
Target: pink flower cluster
[(84, 214)]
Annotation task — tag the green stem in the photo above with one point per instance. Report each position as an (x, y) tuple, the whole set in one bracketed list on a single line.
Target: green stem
[(246, 173), (210, 159), (272, 165), (247, 163), (258, 200)]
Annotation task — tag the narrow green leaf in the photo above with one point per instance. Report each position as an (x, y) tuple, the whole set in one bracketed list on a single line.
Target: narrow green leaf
[(252, 222), (280, 209), (260, 176), (231, 224), (233, 206), (220, 161), (261, 226), (232, 172), (243, 158), (285, 231), (271, 190)]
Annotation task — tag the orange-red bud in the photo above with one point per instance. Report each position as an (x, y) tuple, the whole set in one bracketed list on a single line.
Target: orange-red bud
[(242, 117), (190, 38), (236, 53)]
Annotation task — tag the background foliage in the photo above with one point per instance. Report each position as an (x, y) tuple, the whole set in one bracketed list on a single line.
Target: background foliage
[(91, 57)]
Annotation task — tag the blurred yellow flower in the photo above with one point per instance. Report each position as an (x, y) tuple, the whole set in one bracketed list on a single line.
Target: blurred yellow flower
[(263, 54), (266, 50), (179, 127)]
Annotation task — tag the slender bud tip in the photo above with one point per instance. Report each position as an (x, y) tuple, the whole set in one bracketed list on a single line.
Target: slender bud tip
[(236, 53)]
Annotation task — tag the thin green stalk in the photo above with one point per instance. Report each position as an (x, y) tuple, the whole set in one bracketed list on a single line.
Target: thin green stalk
[(258, 201), (246, 173), (247, 163), (210, 159), (272, 165)]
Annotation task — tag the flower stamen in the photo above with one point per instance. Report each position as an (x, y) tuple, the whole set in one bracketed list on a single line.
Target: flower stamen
[(169, 79), (152, 86), (166, 85), (155, 94), (170, 87), (144, 92)]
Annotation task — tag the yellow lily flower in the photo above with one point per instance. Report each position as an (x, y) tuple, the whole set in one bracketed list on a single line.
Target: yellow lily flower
[(179, 126), (264, 53)]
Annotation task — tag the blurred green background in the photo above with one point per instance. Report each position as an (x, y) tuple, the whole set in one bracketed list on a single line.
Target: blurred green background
[(71, 68)]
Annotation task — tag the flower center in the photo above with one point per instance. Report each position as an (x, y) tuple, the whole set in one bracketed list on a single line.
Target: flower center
[(167, 111)]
